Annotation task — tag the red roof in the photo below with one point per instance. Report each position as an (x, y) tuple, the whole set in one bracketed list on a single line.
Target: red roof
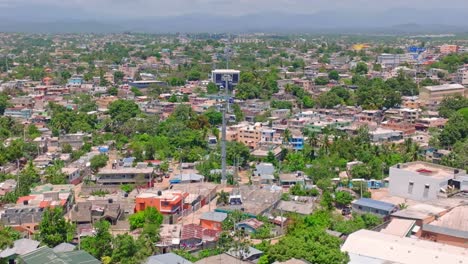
[(24, 198), (424, 171)]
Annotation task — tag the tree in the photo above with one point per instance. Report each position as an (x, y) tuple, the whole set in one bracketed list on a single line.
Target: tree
[(67, 148), (173, 99), (321, 80), (99, 245), (65, 75), (223, 198), (26, 178), (334, 75), (54, 229), (118, 76), (113, 91), (194, 75), (7, 237), (212, 88), (456, 129), (54, 175), (238, 113), (343, 198), (4, 102), (98, 161), (123, 110), (33, 132), (149, 215), (124, 249), (361, 68), (452, 104)]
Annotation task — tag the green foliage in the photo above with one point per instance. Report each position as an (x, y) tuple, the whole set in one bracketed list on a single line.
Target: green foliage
[(308, 242), (118, 76), (127, 188), (376, 94), (321, 80), (281, 104), (149, 215), (343, 198), (54, 229), (212, 88), (334, 75), (26, 178), (458, 158), (123, 110), (361, 68), (54, 175), (8, 236), (113, 91), (456, 129), (300, 190), (452, 104), (98, 161), (99, 245), (124, 249)]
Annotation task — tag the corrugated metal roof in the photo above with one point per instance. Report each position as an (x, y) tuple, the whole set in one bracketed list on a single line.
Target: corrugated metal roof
[(375, 204)]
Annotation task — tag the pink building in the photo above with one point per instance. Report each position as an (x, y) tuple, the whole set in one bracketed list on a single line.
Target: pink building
[(446, 49)]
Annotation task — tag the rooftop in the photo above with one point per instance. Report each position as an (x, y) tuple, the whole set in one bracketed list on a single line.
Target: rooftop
[(213, 216), (429, 169), (399, 227), (403, 249), (375, 204), (444, 87), (454, 223), (419, 211)]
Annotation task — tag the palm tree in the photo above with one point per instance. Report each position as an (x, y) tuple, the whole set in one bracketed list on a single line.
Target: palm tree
[(223, 198), (286, 135)]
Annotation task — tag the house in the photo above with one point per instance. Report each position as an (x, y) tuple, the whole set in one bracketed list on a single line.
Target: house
[(379, 208), (45, 255), (252, 200), (249, 254), (7, 186), (365, 246), (421, 181), (212, 220), (22, 218), (264, 169), (450, 228), (20, 247), (193, 236), (289, 179), (222, 258), (250, 225), (400, 227), (140, 176), (295, 207), (167, 201), (168, 258), (91, 212), (169, 237), (76, 141), (22, 113), (297, 142)]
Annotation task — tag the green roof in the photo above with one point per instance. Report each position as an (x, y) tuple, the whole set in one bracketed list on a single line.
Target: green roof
[(45, 255)]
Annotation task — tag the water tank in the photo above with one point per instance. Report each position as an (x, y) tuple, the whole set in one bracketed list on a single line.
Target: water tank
[(110, 200), (159, 193)]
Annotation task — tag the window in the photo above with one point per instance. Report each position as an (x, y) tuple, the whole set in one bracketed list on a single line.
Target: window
[(410, 187), (426, 191)]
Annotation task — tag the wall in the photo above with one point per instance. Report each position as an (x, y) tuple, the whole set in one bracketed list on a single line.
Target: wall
[(445, 239), (400, 179)]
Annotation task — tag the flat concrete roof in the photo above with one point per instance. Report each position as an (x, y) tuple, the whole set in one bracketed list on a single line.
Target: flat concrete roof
[(428, 169), (419, 211), (403, 249), (444, 87)]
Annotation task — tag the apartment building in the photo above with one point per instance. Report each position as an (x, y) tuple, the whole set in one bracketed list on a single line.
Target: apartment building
[(141, 176), (462, 75), (446, 49), (432, 96)]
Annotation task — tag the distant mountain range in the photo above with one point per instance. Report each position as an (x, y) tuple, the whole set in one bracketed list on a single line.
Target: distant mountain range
[(56, 20)]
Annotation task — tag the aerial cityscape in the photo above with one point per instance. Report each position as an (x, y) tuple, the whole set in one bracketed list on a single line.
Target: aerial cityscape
[(156, 132)]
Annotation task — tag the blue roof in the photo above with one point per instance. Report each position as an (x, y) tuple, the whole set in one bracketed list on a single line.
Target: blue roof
[(375, 204)]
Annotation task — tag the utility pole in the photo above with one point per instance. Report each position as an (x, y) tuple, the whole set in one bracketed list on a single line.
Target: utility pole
[(226, 78)]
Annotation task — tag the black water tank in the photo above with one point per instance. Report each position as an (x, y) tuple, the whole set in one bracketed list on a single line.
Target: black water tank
[(110, 200)]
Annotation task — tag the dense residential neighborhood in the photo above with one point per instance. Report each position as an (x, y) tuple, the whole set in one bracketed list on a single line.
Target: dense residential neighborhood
[(233, 148)]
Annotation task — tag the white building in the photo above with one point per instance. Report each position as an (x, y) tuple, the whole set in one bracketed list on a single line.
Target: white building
[(365, 246), (421, 180), (462, 75)]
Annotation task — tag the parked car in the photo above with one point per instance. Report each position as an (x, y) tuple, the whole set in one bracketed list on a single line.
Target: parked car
[(346, 211)]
